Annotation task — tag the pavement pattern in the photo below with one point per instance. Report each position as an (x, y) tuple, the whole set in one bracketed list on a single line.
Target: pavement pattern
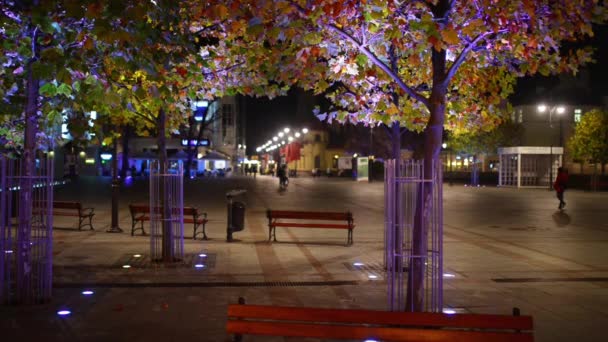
[(505, 247)]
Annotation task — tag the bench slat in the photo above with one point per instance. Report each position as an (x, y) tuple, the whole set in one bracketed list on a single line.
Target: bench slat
[(310, 225), (308, 215), (380, 317), (362, 332)]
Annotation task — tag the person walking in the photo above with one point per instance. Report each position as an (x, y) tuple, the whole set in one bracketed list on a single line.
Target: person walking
[(560, 185), (282, 174)]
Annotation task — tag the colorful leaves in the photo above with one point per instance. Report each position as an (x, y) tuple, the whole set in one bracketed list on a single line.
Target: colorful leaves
[(450, 36)]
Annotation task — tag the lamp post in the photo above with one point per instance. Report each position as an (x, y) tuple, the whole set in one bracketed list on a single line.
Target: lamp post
[(560, 110), (114, 226)]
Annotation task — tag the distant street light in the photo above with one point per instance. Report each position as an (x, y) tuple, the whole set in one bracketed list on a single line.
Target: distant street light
[(281, 134), (304, 130), (275, 138), (286, 130), (444, 145), (559, 110), (297, 134)]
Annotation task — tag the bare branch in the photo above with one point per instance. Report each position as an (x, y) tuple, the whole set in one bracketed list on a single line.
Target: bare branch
[(463, 55)]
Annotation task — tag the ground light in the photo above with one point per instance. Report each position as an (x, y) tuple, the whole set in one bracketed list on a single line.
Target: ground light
[(372, 276), (64, 312), (449, 275), (199, 265), (87, 292), (126, 266), (449, 311), (202, 255), (358, 264), (137, 255)]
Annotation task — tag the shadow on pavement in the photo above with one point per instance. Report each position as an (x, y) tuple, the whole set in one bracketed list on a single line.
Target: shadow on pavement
[(561, 218)]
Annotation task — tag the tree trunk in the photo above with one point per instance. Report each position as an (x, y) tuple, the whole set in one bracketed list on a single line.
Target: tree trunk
[(189, 152), (125, 153), (432, 146), (168, 252), (474, 172), (24, 253)]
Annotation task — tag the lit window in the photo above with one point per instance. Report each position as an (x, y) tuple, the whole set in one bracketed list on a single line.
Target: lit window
[(577, 115)]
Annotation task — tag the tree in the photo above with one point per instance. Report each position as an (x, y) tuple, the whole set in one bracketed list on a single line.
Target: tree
[(478, 142), (590, 140), (427, 64)]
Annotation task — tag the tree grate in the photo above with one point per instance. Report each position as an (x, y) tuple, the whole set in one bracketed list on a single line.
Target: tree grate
[(143, 261), (375, 267)]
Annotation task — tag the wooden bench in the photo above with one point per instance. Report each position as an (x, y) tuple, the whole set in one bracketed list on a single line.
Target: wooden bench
[(276, 218), (68, 208), (375, 325), (141, 213)]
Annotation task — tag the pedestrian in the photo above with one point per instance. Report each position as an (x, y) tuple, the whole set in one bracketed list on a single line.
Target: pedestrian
[(560, 185), (254, 170), (282, 174)]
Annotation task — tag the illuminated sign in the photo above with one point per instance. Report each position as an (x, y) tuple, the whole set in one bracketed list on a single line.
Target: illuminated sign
[(202, 142)]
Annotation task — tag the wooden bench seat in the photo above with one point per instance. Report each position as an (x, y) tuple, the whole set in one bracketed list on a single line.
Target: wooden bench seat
[(375, 325), (284, 218), (70, 209), (141, 213)]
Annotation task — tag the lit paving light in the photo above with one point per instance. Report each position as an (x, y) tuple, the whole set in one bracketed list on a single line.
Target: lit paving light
[(87, 292), (64, 312), (8, 251), (199, 266), (358, 264), (372, 276), (202, 255), (126, 266), (449, 311), (449, 275), (368, 340), (137, 255)]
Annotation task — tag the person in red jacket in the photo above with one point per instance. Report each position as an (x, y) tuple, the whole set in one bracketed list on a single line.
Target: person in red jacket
[(560, 185)]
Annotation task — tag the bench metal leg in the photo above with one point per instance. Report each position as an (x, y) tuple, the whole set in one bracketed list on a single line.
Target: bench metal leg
[(272, 234), (81, 220), (133, 229), (350, 237), (196, 226)]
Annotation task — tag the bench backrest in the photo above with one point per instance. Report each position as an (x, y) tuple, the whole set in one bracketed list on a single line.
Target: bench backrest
[(66, 205), (382, 325), (139, 208), (145, 208), (309, 215), (190, 211)]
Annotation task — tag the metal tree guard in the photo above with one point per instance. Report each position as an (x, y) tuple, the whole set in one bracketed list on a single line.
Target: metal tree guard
[(26, 232), (166, 213), (403, 189)]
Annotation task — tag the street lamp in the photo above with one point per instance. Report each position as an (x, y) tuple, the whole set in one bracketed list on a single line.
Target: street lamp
[(304, 130), (559, 110), (286, 130)]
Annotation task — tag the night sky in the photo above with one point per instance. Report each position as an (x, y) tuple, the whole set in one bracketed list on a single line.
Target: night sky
[(265, 117)]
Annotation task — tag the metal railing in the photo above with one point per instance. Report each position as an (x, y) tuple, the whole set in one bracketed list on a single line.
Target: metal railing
[(413, 236), (26, 232), (166, 213)]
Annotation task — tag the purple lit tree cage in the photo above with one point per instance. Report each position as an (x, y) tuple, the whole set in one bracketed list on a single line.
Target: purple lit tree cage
[(166, 212), (26, 232), (403, 188)]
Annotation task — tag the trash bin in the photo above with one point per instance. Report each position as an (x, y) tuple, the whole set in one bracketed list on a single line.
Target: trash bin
[(238, 216)]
